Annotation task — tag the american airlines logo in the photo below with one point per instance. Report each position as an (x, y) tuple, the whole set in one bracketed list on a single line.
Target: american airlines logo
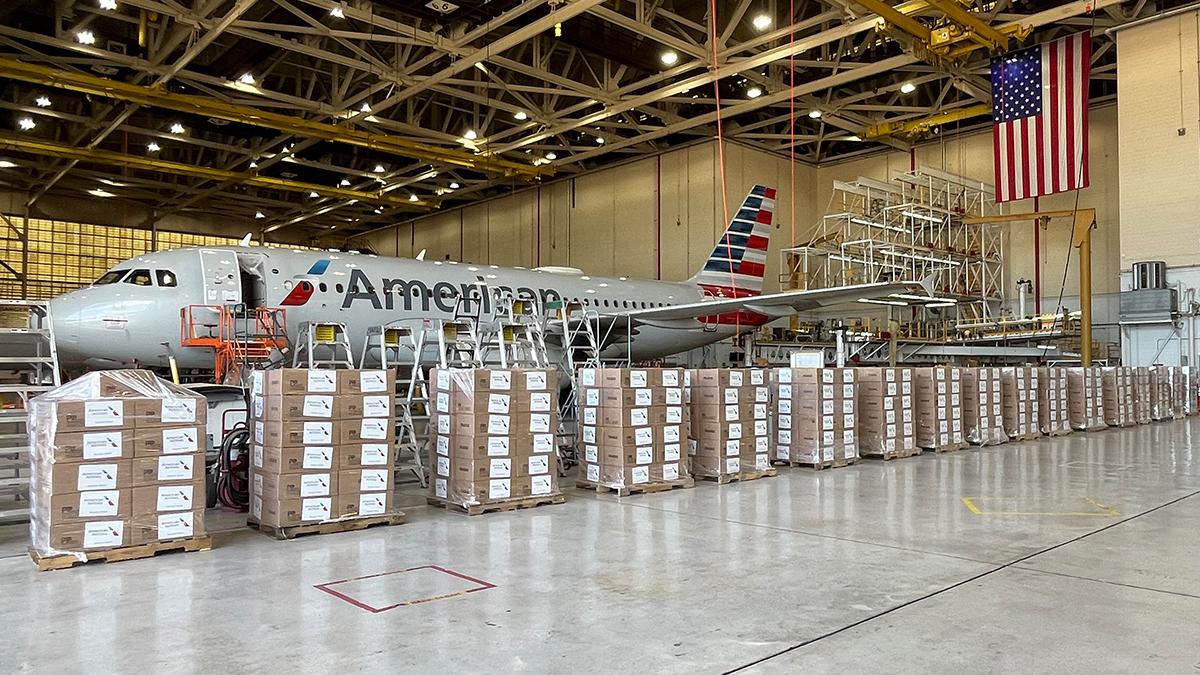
[(416, 295)]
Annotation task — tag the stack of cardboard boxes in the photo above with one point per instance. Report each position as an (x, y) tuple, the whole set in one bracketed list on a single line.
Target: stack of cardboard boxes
[(495, 442), (1178, 393), (1118, 396), (1191, 387), (983, 414), (1144, 394), (1162, 407), (117, 460), (1085, 389), (815, 416), (939, 403), (1054, 402), (1019, 397), (322, 446), (886, 419), (733, 445), (632, 428)]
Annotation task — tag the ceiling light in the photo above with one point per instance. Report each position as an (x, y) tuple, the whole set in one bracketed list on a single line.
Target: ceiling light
[(379, 168), (753, 92), (152, 147), (177, 128), (854, 137), (246, 78), (313, 194), (599, 141), (454, 186), (97, 192), (414, 198), (26, 123), (761, 22), (551, 155), (470, 135), (366, 107), (42, 101), (7, 164), (336, 11), (109, 181), (908, 88), (520, 116), (86, 37), (253, 164), (815, 114), (108, 4), (259, 214), (669, 58), (345, 182)]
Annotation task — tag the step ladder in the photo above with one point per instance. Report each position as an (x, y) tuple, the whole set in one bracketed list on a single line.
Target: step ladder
[(323, 345), (402, 348), (519, 332), (577, 327), (29, 366), (460, 339)]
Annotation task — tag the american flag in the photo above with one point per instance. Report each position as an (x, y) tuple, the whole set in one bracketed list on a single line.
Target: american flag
[(1040, 111)]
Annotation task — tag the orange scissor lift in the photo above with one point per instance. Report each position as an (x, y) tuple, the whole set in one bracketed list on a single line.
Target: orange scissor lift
[(241, 338)]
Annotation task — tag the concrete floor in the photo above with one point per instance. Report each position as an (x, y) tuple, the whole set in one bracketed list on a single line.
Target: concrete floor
[(1084, 556)]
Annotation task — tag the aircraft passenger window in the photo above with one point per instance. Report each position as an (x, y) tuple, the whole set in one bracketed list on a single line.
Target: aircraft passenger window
[(110, 277), (322, 286), (166, 278), (139, 278), (338, 288)]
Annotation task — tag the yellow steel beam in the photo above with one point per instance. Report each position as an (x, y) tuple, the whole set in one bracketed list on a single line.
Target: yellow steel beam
[(897, 18), (974, 28), (208, 107), (45, 148), (918, 127)]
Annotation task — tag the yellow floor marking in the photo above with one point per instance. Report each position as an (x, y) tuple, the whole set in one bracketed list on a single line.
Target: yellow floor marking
[(1105, 511)]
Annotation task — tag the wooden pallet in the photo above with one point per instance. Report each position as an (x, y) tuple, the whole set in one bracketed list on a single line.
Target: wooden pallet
[(636, 489), (493, 507), (65, 561), (896, 454), (943, 449), (347, 525), (726, 478)]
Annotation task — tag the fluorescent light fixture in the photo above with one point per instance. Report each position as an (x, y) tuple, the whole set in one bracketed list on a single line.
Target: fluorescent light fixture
[(336, 11), (313, 194), (108, 4), (551, 155), (923, 216), (109, 181), (177, 128), (872, 301), (454, 186), (815, 114), (345, 182), (520, 116), (366, 107), (253, 164), (246, 78), (908, 88), (42, 101), (669, 58), (470, 134), (97, 192), (414, 198), (753, 92), (379, 168), (761, 22), (259, 214), (7, 164), (26, 123), (599, 141), (854, 137), (86, 37)]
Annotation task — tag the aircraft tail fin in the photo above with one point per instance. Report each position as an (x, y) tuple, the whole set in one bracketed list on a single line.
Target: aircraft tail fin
[(736, 266)]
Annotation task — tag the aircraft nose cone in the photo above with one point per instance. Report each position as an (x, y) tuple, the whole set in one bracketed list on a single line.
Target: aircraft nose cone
[(66, 314)]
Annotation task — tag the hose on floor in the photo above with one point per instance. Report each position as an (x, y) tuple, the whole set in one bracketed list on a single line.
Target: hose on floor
[(233, 475)]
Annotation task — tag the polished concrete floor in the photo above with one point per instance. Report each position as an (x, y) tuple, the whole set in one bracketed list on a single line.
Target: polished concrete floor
[(1074, 554)]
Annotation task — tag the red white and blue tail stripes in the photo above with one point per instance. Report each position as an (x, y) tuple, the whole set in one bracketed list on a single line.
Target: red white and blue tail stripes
[(735, 268)]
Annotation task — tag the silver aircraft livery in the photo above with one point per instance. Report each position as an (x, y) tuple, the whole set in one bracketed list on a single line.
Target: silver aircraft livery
[(131, 316)]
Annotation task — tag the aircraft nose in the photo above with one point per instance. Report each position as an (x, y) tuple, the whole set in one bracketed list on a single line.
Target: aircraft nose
[(66, 315)]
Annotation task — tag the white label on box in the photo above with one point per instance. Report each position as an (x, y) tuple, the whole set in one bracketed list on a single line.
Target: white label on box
[(671, 452), (258, 406), (498, 425), (827, 437), (827, 454), (783, 453), (889, 375), (954, 388), (589, 434), (373, 454), (500, 489), (757, 377), (826, 407), (317, 406), (539, 464), (181, 497), (443, 424), (592, 397), (955, 399), (443, 379), (907, 415), (891, 389), (643, 455), (848, 391), (889, 415), (103, 413), (322, 381), (731, 413), (889, 403), (906, 401), (785, 391), (905, 387), (847, 406), (730, 395), (673, 396), (762, 444), (178, 410), (103, 533), (641, 474), (908, 429), (639, 417), (539, 422), (317, 433), (99, 503), (179, 441), (372, 504), (760, 427), (175, 468), (587, 377), (439, 488), (591, 453), (638, 378), (371, 381), (96, 477), (670, 471), (257, 456), (783, 375), (535, 380), (591, 416), (499, 379), (316, 508), (674, 415), (785, 437), (543, 443), (941, 387), (891, 430), (643, 397), (498, 403), (374, 480), (314, 484), (733, 465), (374, 429), (827, 422), (826, 375), (762, 394), (540, 484), (175, 526), (996, 385), (784, 421), (735, 430), (102, 445), (539, 401), (377, 406), (735, 378), (671, 434), (643, 436), (785, 407), (848, 437), (442, 402), (692, 446), (497, 446), (847, 375), (733, 447), (670, 378), (256, 383), (443, 466)]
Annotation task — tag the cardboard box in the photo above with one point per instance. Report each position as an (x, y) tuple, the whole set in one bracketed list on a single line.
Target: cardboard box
[(633, 378), (167, 498), (886, 419), (1020, 403), (168, 469), (94, 535), (74, 446), (364, 480), (73, 507), (939, 408), (169, 440), (295, 458), (55, 479), (290, 512), (1085, 391), (366, 456), (815, 415), (367, 381), (1054, 409), (281, 381), (631, 398), (364, 504), (277, 486), (177, 411), (983, 416), (149, 529), (284, 434)]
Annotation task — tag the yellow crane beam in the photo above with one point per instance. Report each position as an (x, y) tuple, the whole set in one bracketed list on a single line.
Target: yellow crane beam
[(973, 27), (199, 105), (916, 128), (96, 155)]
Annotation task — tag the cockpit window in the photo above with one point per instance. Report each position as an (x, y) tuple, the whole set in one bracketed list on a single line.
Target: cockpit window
[(166, 278), (139, 278), (110, 277)]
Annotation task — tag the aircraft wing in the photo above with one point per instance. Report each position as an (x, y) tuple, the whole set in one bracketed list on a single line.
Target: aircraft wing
[(778, 304)]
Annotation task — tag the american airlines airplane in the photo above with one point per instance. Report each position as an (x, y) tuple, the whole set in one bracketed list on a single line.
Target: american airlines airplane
[(130, 317)]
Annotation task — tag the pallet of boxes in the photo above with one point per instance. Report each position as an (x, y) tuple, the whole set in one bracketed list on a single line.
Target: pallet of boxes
[(1085, 388), (1054, 402), (983, 414), (735, 443), (1178, 392), (117, 461), (1019, 403), (1144, 394), (495, 443), (629, 447), (939, 404), (886, 427), (1118, 396), (322, 451), (1191, 387), (815, 411)]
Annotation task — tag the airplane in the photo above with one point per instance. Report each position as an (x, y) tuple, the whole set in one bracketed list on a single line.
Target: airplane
[(130, 316)]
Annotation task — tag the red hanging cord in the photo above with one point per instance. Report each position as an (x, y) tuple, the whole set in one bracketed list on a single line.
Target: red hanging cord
[(716, 68)]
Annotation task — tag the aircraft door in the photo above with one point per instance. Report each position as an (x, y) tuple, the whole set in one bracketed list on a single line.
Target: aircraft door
[(222, 277)]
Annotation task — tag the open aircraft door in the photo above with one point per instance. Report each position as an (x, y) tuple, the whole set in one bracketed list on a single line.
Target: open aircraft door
[(222, 277)]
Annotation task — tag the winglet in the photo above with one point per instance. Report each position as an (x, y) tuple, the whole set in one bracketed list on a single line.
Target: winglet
[(927, 284), (421, 255), (246, 239)]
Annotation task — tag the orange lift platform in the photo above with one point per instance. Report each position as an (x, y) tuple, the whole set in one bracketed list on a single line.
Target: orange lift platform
[(240, 337)]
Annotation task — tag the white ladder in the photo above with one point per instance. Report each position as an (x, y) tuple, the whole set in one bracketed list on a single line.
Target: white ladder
[(518, 333), (30, 359), (330, 338)]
